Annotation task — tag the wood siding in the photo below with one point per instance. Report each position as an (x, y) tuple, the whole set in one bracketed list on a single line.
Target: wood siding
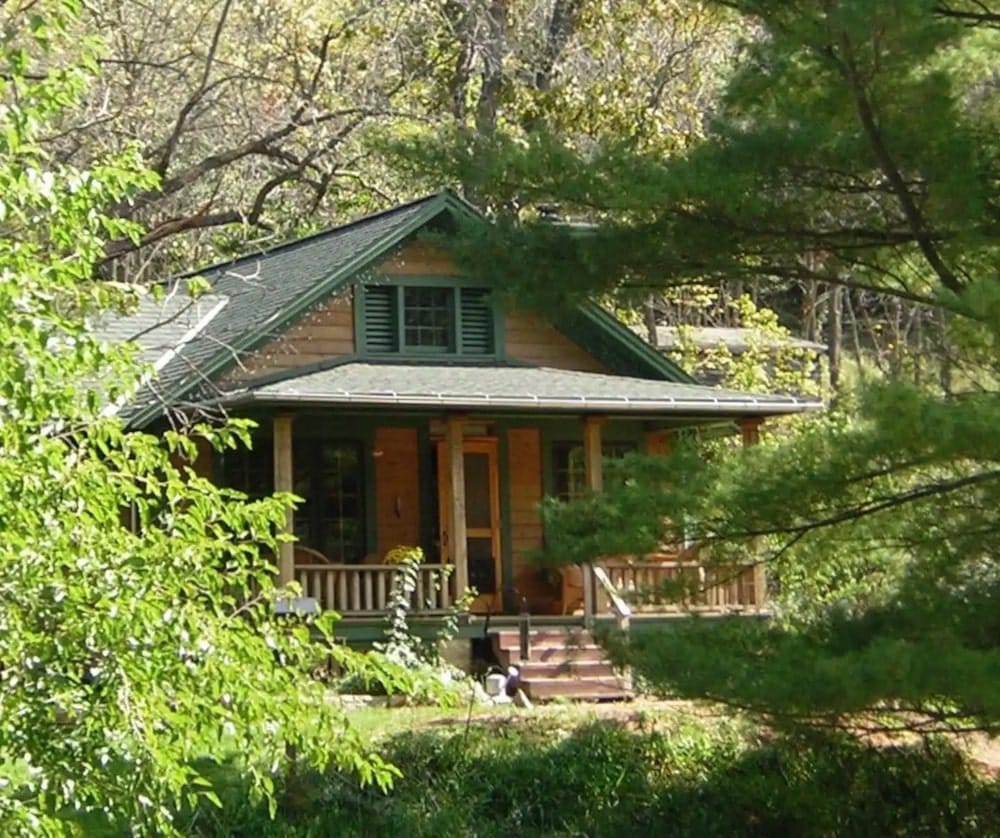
[(419, 258), (524, 447), (530, 339), (397, 488), (325, 332)]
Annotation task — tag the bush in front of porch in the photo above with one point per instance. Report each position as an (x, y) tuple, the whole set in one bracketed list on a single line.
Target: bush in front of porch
[(683, 773), (429, 678)]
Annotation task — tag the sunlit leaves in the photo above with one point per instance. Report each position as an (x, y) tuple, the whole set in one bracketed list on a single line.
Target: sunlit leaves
[(138, 629)]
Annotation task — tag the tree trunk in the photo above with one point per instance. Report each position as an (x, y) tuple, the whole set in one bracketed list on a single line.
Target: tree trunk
[(835, 334), (649, 315)]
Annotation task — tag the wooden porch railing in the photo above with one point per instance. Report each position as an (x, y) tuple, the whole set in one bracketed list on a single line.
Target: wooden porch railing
[(365, 589), (647, 586)]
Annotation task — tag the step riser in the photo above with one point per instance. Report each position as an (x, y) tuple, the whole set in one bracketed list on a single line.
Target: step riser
[(555, 656), (596, 669), (512, 639), (582, 690), (562, 665)]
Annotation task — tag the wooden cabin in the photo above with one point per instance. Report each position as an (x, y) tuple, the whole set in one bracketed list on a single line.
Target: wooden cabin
[(406, 406)]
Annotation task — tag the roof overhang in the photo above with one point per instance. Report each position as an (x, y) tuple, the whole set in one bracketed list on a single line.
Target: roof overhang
[(509, 388)]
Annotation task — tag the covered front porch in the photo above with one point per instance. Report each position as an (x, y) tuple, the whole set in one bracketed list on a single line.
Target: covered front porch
[(461, 473)]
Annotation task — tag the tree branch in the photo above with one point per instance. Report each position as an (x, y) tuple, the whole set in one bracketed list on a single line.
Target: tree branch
[(923, 236), (171, 144)]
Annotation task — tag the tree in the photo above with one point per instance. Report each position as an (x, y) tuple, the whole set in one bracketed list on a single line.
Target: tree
[(855, 146), (581, 70), (124, 652), (259, 118)]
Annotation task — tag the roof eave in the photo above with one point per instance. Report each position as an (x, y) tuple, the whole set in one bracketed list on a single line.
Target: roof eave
[(686, 407)]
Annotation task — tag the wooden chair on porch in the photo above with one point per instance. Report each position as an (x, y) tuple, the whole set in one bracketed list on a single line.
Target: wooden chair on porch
[(572, 588), (307, 555)]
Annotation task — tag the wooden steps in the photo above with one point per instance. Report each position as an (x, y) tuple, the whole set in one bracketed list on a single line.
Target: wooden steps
[(562, 664)]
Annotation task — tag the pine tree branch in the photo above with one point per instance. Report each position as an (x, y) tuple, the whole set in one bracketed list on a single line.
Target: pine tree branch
[(914, 217)]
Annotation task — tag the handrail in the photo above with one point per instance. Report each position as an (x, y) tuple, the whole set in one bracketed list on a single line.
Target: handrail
[(623, 612)]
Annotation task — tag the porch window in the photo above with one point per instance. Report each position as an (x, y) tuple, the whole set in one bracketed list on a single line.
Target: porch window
[(250, 470), (329, 477), (568, 470), (419, 318)]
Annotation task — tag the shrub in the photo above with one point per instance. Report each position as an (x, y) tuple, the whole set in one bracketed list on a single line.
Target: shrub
[(603, 779)]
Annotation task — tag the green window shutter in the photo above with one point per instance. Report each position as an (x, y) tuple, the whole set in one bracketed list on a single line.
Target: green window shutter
[(477, 321), (381, 323)]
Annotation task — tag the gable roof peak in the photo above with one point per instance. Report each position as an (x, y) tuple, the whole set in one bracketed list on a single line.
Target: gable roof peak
[(444, 197)]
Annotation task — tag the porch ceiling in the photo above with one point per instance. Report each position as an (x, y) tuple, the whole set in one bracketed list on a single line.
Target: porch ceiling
[(510, 388)]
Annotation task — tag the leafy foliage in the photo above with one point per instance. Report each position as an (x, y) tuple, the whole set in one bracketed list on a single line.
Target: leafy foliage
[(691, 777), (855, 145), (125, 652), (426, 677)]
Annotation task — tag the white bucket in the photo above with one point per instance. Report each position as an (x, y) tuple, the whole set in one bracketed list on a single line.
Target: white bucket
[(495, 682)]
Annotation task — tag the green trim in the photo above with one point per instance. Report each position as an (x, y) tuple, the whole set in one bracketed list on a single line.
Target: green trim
[(434, 207), (506, 536), (593, 328), (641, 358), (429, 511), (371, 519), (422, 353), (425, 281)]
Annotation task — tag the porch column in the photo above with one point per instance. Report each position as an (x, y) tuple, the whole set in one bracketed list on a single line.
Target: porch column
[(283, 483), (457, 542), (593, 464), (750, 431)]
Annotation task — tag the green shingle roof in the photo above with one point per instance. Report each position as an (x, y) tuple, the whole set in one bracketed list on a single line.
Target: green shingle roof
[(261, 294), (267, 290), (509, 388)]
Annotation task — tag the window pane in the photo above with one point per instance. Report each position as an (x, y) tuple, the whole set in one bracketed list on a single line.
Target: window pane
[(569, 471), (482, 567), (342, 521), (428, 317), (478, 510), (250, 470), (331, 518)]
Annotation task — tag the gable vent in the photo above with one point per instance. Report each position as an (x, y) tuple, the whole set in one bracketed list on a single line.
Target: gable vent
[(477, 321), (380, 318)]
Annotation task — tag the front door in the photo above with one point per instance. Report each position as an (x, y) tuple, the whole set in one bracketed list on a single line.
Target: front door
[(482, 519)]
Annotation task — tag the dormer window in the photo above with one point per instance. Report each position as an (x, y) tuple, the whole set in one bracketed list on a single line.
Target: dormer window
[(422, 318), (429, 318)]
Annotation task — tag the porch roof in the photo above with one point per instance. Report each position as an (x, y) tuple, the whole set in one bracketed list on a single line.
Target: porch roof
[(509, 388)]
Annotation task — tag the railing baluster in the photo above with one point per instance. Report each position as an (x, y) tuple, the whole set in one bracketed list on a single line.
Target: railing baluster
[(418, 593), (381, 590), (327, 602), (355, 587), (368, 596)]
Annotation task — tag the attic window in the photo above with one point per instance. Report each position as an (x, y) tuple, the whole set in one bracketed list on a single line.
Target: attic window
[(424, 318), (428, 318)]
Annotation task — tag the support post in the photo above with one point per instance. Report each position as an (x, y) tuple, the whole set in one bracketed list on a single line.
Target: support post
[(283, 482), (457, 541), (593, 465), (750, 431)]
